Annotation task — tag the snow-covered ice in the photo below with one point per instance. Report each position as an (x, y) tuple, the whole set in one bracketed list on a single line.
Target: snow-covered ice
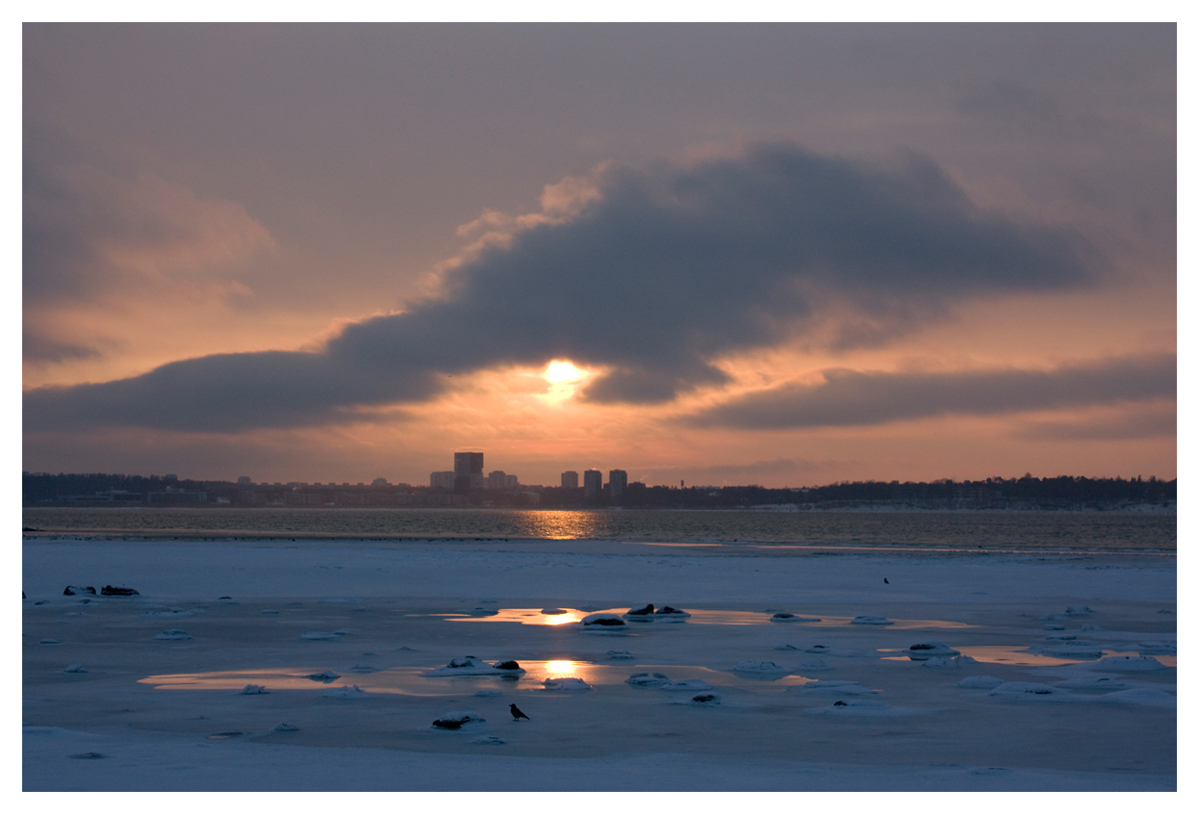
[(171, 715)]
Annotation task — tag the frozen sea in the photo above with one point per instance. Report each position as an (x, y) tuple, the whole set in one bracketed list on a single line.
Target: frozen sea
[(876, 658)]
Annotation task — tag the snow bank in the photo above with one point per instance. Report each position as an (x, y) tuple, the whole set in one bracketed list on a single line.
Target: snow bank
[(1127, 663), (346, 692), (569, 684)]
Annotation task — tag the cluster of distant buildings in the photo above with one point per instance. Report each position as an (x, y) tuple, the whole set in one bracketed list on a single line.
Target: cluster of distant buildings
[(467, 476), (618, 482)]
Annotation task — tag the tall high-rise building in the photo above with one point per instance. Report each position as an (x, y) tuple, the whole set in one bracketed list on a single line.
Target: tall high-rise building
[(591, 483), (467, 463), (468, 472), (496, 480), (570, 480), (617, 482)]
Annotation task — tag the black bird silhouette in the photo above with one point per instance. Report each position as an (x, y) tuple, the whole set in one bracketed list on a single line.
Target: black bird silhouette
[(885, 580), (517, 714)]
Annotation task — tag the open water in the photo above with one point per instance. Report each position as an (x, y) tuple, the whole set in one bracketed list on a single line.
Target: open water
[(1005, 531)]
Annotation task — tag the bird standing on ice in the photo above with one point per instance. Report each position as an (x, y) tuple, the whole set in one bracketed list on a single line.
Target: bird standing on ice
[(517, 714)]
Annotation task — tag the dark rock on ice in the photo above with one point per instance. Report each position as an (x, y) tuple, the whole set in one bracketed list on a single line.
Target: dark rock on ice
[(925, 650), (642, 614), (668, 611), (456, 719), (70, 591), (324, 676), (620, 655), (252, 690), (117, 591), (284, 727), (706, 699), (507, 665)]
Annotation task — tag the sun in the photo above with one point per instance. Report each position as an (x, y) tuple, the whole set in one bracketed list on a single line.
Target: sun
[(562, 370)]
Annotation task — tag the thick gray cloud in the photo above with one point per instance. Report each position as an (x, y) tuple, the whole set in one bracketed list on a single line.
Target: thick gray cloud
[(662, 271), (853, 398)]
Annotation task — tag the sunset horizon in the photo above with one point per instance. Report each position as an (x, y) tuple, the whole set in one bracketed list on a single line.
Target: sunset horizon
[(952, 257)]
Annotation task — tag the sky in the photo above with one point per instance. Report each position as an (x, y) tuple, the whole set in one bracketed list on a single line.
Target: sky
[(782, 254)]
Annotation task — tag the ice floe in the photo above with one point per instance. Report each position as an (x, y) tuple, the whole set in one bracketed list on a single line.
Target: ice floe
[(458, 720), (603, 624), (473, 666), (669, 614), (789, 617), (619, 655), (317, 635), (566, 684), (346, 692), (553, 612), (488, 740), (284, 727), (925, 650), (325, 676), (982, 682), (251, 690), (74, 668), (867, 619)]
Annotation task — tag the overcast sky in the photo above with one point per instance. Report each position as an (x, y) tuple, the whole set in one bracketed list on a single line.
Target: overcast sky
[(775, 254)]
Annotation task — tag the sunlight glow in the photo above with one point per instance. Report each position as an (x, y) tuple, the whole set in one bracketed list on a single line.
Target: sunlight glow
[(562, 667), (561, 370)]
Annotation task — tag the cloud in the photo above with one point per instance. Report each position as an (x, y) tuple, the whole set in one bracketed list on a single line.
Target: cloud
[(1142, 422), (646, 274), (98, 237), (847, 398)]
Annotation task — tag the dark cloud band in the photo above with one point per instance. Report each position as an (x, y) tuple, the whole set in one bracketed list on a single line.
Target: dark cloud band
[(854, 398), (658, 273)]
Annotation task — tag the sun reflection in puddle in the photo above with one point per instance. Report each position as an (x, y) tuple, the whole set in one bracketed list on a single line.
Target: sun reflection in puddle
[(535, 616), (411, 681)]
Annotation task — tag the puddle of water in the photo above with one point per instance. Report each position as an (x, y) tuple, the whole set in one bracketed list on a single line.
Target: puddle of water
[(534, 616), (412, 682)]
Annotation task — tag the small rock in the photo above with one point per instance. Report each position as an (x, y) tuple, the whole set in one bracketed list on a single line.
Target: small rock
[(251, 690), (115, 591)]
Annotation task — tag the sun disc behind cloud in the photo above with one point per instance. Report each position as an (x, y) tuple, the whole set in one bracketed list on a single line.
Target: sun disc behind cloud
[(561, 371)]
